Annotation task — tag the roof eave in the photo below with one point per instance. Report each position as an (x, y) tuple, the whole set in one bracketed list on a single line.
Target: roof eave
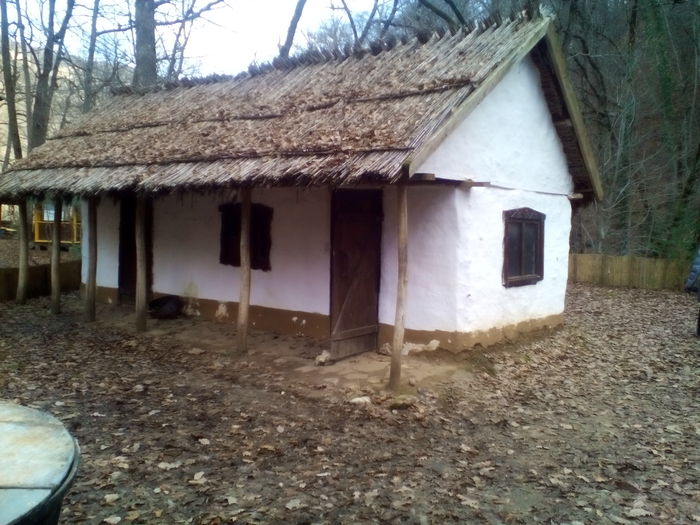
[(558, 61), (546, 33)]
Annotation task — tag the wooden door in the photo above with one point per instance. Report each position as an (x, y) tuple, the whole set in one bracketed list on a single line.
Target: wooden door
[(356, 232), (127, 249)]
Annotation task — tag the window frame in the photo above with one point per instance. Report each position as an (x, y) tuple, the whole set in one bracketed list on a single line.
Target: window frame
[(522, 216), (261, 217)]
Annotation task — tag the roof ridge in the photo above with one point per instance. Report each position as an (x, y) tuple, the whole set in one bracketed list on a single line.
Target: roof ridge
[(317, 56)]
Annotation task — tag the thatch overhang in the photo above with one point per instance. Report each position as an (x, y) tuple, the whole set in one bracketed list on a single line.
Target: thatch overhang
[(367, 116)]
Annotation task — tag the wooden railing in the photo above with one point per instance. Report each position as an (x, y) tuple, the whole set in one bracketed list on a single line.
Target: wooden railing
[(70, 231), (627, 271)]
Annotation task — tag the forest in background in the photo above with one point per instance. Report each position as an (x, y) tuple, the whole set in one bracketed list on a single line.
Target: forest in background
[(635, 65)]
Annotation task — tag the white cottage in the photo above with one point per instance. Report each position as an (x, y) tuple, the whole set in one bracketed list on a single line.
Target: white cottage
[(478, 134)]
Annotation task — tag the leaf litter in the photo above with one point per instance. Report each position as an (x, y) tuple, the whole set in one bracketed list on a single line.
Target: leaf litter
[(596, 422)]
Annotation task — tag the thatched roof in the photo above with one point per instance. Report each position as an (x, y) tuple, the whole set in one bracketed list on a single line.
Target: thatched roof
[(348, 119)]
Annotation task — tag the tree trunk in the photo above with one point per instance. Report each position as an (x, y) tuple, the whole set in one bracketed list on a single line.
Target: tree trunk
[(10, 96), (244, 302), (56, 257), (25, 70), (89, 95), (141, 270), (91, 291), (23, 270), (440, 13), (284, 49), (146, 71), (402, 285), (47, 75)]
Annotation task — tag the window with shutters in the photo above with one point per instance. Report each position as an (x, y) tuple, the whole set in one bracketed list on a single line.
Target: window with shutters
[(523, 247)]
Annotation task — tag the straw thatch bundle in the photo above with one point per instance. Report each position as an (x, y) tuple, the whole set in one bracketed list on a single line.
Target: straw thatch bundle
[(340, 121)]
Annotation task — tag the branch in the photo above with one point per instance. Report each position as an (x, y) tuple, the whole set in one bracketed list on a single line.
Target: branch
[(370, 19), (58, 37), (192, 15), (387, 23), (284, 49), (440, 13), (350, 18), (456, 11)]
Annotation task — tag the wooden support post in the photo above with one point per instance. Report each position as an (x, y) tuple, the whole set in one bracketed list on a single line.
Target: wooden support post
[(91, 291), (402, 284), (56, 257), (244, 301), (141, 270), (23, 272), (37, 220), (74, 226)]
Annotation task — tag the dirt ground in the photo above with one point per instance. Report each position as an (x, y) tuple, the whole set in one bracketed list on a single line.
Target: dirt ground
[(597, 422), (9, 254)]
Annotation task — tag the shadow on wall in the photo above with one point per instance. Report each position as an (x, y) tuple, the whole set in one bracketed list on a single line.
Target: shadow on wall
[(39, 280)]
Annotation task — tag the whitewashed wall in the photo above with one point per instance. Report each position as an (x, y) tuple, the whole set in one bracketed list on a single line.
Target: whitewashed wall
[(186, 250), (432, 259), (508, 139), (107, 243), (456, 235), (484, 302)]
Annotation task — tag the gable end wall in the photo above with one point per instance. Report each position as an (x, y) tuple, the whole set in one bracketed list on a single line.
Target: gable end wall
[(509, 141)]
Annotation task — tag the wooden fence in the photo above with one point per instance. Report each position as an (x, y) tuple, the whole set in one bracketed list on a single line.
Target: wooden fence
[(628, 271), (39, 280)]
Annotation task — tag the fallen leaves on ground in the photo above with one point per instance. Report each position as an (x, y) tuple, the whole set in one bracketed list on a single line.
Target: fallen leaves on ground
[(597, 422)]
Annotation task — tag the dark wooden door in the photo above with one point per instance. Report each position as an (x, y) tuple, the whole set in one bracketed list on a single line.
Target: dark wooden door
[(356, 232), (127, 248)]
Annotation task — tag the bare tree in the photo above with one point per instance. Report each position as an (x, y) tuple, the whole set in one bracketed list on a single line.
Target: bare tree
[(356, 28), (146, 70), (47, 73), (10, 94), (287, 46), (88, 88)]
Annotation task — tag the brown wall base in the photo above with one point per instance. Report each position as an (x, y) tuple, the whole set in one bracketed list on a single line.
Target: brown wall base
[(261, 317), (103, 294), (264, 318), (456, 341), (318, 325)]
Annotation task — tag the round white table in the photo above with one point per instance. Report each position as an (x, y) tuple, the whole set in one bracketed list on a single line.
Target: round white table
[(38, 462)]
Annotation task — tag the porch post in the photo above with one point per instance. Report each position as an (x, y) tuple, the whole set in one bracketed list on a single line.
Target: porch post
[(244, 300), (23, 253), (399, 321), (56, 256), (91, 291), (141, 278)]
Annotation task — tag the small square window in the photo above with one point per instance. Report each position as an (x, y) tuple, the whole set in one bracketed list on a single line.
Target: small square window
[(523, 247), (260, 235)]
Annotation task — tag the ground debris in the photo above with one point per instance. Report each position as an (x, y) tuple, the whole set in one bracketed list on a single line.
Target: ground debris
[(596, 422)]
